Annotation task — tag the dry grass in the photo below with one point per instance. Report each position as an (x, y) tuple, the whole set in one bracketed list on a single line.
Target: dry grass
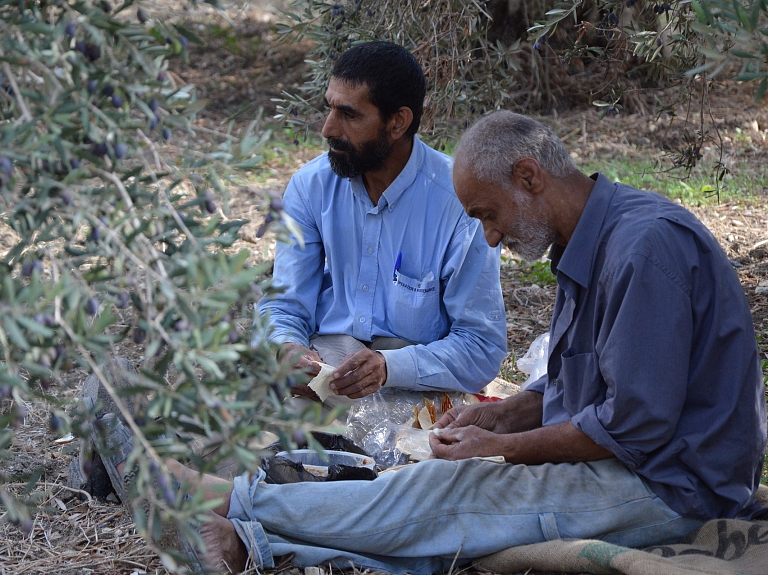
[(73, 534)]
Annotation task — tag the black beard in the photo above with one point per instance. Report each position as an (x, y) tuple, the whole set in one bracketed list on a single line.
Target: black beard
[(350, 162)]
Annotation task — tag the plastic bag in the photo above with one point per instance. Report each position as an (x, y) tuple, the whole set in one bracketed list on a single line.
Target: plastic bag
[(373, 421), (283, 470), (413, 442), (534, 362)]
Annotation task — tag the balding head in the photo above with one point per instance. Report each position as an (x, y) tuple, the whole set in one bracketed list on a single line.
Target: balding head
[(490, 148)]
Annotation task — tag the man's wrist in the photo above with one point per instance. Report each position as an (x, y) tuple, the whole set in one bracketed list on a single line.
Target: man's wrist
[(283, 349), (384, 359), (288, 349)]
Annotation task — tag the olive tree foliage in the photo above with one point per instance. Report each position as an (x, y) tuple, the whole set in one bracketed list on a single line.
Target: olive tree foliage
[(467, 73), (690, 44), (112, 237), (478, 57)]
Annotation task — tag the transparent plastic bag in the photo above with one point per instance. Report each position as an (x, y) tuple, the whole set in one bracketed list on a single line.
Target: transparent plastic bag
[(373, 421), (534, 362), (413, 442)]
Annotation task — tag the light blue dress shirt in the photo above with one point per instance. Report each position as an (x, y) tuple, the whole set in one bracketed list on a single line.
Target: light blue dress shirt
[(445, 297)]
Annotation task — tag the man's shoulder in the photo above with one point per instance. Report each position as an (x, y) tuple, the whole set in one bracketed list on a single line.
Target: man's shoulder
[(436, 171), (650, 226), (642, 214), (315, 181), (437, 167), (318, 167)]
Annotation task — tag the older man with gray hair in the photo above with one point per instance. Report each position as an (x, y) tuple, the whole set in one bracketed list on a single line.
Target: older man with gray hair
[(650, 419)]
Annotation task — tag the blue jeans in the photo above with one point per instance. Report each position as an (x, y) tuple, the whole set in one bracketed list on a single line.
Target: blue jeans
[(423, 517)]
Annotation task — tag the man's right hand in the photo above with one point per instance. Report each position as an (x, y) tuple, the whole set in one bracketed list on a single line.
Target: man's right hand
[(486, 416), (517, 413), (300, 357), (304, 359)]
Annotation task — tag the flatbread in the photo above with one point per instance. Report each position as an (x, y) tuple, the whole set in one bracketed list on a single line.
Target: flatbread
[(425, 418), (321, 383)]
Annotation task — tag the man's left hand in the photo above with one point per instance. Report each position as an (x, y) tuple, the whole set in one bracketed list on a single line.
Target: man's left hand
[(361, 373), (464, 442)]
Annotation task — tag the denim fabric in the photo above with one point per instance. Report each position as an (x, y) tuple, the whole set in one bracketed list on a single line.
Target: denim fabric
[(423, 517)]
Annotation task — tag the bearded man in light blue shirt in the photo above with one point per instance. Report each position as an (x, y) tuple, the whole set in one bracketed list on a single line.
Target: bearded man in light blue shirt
[(389, 259)]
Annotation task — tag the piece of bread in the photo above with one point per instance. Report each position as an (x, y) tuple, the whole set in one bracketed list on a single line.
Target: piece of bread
[(321, 383)]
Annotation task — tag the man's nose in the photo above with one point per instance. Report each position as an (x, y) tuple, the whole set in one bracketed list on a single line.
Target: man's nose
[(492, 236), (330, 130)]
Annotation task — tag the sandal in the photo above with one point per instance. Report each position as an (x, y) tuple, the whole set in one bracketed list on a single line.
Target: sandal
[(95, 480), (87, 472), (113, 442)]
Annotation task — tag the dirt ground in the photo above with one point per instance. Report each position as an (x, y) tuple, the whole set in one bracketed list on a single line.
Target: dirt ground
[(242, 62)]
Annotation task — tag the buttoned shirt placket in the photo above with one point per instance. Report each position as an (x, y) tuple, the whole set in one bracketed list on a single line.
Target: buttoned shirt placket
[(369, 270)]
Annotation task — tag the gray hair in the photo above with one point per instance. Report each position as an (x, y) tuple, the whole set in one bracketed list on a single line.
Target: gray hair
[(495, 142)]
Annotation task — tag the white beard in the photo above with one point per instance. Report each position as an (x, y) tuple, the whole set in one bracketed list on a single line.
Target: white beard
[(536, 235), (532, 252)]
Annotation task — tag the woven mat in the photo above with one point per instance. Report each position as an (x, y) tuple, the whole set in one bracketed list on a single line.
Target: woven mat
[(719, 547)]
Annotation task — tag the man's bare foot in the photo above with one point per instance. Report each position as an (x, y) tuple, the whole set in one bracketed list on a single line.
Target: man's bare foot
[(224, 551), (213, 487)]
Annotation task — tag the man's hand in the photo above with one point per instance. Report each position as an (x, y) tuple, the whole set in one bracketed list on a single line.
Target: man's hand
[(486, 416), (517, 413), (303, 358), (300, 357), (361, 373), (464, 442)]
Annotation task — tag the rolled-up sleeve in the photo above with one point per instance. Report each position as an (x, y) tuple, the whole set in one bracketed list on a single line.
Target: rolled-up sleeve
[(642, 354)]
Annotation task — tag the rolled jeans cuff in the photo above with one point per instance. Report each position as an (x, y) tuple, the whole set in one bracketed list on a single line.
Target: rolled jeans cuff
[(251, 533)]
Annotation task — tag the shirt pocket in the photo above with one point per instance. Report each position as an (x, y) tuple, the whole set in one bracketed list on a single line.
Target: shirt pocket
[(581, 382), (413, 309)]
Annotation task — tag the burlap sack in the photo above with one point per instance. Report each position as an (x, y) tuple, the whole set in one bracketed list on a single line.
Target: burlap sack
[(719, 547)]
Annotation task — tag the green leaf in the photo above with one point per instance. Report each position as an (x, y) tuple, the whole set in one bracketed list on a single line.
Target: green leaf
[(208, 365), (701, 14), (195, 107), (750, 76), (189, 34), (713, 55), (14, 333), (36, 28), (34, 327), (294, 229), (743, 54), (754, 17), (760, 93), (743, 16), (700, 69)]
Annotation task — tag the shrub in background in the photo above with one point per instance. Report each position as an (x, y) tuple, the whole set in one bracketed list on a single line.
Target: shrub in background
[(544, 56), (467, 74)]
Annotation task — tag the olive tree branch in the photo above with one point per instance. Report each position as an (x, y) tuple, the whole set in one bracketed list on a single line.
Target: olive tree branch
[(25, 115)]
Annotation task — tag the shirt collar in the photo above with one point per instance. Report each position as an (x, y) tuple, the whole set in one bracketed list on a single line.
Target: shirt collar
[(403, 180), (576, 259)]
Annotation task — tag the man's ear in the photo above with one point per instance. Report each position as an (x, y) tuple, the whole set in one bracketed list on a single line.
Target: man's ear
[(399, 122), (527, 174)]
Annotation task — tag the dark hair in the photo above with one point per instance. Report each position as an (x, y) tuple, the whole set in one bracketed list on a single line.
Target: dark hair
[(393, 76)]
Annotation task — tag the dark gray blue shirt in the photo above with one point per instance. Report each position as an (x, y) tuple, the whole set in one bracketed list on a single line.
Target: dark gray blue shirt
[(653, 352)]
